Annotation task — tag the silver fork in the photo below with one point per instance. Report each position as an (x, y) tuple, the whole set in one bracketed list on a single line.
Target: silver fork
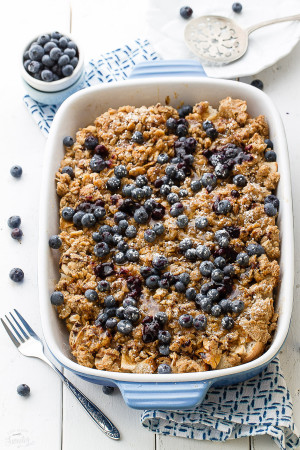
[(29, 344)]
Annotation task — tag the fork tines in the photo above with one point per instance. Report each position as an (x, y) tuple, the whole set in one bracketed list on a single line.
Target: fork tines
[(17, 328)]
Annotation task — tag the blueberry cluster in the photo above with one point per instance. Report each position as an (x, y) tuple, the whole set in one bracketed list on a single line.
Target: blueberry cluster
[(270, 155), (51, 57), (223, 161), (137, 191), (271, 205), (14, 222), (86, 214)]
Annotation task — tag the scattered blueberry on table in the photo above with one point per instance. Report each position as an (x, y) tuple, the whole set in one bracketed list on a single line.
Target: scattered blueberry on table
[(237, 7), (51, 57), (16, 275), (258, 84), (108, 390), (17, 233), (186, 12), (16, 171), (14, 222), (23, 390)]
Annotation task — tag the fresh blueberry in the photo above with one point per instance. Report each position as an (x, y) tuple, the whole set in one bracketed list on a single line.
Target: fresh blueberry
[(72, 44), (220, 262), (186, 320), (165, 190), (132, 313), (191, 254), (131, 231), (63, 42), (201, 222), (88, 220), (196, 185), (119, 215), (141, 181), (36, 52), (209, 180), (242, 259), (55, 242), (122, 225), (171, 171), (258, 84), (270, 156), (213, 294), (99, 212), (160, 262), (129, 301), (120, 258), (68, 141), (176, 209), (101, 249), (237, 7), (182, 221), (113, 184), (221, 171), (255, 249), (16, 171), (74, 62), (164, 369), (68, 213), (91, 295), (270, 209), (237, 306), (226, 305), (34, 67), (164, 350), (103, 286), (181, 130), (229, 270), (116, 239), (200, 322), (48, 47), (55, 35), (206, 268), (216, 310), (67, 70), (69, 170), (223, 207), (70, 52), (211, 133), (138, 137), (161, 318), (120, 312), (222, 237), (110, 301), (97, 164), (110, 312), (164, 337), (158, 228), (101, 319), (23, 390), (141, 215), (57, 298), (272, 199), (14, 222), (203, 252), (149, 235), (132, 255), (206, 304), (55, 53), (227, 323), (180, 287), (184, 278), (186, 12), (147, 191), (269, 143), (122, 246), (125, 327), (171, 124), (190, 294), (207, 124), (63, 60), (240, 180), (107, 390), (152, 282), (172, 198), (162, 158), (16, 233), (185, 110), (217, 275), (120, 171), (183, 193), (78, 217), (48, 62), (91, 142)]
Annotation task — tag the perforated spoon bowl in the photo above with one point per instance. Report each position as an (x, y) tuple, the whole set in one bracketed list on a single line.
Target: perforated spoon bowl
[(220, 40)]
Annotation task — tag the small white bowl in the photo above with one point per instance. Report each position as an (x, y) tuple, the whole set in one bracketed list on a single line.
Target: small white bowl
[(54, 92)]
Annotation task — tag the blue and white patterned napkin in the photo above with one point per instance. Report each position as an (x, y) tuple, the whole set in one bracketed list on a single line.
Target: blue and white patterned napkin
[(259, 406), (112, 66)]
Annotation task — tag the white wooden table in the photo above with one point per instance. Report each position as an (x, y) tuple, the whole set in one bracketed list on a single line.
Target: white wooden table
[(51, 419)]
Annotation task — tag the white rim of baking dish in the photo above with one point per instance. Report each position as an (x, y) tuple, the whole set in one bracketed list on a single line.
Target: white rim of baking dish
[(287, 256)]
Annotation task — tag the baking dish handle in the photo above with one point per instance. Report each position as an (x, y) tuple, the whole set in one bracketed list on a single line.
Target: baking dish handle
[(169, 396), (168, 67)]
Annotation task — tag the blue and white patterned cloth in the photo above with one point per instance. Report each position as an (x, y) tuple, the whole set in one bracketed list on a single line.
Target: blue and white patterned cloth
[(259, 406), (112, 66)]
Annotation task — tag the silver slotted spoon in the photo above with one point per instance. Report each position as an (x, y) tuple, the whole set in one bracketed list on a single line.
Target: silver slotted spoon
[(220, 40)]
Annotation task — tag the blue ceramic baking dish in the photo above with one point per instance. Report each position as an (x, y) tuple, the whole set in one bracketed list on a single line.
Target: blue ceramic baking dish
[(151, 391)]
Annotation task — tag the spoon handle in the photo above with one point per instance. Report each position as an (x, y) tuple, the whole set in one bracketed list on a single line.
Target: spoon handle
[(270, 22)]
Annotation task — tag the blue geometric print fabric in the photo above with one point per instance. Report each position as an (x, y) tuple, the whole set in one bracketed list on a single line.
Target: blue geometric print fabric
[(112, 66), (255, 407)]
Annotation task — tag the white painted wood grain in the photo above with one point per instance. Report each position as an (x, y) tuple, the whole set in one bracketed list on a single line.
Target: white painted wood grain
[(33, 422), (176, 443)]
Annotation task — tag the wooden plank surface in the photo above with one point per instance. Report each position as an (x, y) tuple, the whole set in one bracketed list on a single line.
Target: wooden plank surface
[(43, 421), (34, 422)]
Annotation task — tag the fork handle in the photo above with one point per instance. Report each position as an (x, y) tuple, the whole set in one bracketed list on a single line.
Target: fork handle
[(94, 412)]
